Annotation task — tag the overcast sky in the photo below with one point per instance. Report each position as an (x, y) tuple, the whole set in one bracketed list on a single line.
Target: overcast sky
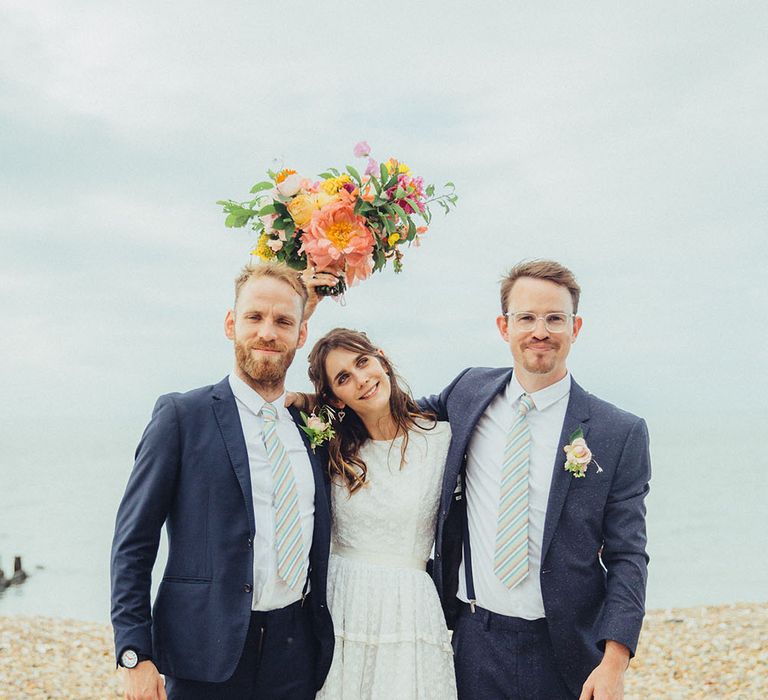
[(627, 140)]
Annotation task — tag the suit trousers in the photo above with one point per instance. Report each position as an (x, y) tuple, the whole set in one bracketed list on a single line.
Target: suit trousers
[(505, 658), (277, 663)]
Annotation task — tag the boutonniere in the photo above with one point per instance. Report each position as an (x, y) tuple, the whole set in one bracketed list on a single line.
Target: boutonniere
[(578, 456), (318, 426)]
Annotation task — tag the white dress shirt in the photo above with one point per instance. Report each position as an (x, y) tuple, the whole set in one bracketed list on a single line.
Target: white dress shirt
[(484, 463), (270, 592)]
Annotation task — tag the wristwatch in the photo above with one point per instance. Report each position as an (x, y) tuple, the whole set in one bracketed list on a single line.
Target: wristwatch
[(130, 658)]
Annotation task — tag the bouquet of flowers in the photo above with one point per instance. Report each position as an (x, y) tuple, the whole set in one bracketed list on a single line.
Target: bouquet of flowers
[(345, 223)]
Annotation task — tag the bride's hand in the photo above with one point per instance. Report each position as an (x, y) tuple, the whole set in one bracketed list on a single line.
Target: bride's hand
[(313, 280)]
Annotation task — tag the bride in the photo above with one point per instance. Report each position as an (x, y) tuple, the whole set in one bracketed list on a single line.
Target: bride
[(386, 465)]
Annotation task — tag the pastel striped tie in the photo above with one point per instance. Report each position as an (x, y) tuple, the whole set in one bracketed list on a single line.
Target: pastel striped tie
[(510, 561), (289, 541)]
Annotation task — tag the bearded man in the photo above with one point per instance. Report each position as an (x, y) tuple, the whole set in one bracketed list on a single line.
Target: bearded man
[(240, 612)]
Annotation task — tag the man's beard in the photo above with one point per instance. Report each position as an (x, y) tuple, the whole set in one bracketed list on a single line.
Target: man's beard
[(264, 370), (541, 364)]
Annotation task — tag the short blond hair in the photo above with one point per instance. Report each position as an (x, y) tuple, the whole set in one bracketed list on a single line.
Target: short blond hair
[(548, 270), (274, 270)]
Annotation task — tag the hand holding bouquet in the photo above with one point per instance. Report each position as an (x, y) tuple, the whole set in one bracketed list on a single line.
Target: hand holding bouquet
[(344, 223)]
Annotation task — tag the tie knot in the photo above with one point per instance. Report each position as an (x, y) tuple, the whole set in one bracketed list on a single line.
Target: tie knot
[(269, 412), (526, 404)]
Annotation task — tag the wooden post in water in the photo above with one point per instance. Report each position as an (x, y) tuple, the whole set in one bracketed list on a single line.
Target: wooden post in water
[(19, 575), (4, 582)]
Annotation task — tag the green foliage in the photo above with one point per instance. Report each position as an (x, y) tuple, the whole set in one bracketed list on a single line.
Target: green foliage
[(261, 186), (355, 175), (379, 259), (237, 215), (401, 213)]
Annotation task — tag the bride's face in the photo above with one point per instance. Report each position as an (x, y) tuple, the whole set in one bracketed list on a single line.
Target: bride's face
[(359, 381)]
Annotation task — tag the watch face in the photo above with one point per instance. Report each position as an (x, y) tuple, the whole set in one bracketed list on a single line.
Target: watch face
[(129, 659)]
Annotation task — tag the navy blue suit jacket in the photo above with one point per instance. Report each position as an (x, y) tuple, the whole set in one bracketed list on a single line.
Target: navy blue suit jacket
[(589, 597), (191, 473)]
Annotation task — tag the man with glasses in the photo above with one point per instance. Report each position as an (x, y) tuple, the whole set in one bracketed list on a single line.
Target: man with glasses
[(540, 555)]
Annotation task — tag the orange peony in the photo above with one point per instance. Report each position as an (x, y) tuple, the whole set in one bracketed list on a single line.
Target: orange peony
[(338, 240)]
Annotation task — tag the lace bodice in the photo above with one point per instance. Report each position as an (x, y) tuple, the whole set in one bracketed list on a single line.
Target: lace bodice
[(395, 512)]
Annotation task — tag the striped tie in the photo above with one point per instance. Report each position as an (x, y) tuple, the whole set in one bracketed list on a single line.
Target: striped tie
[(510, 561), (288, 535)]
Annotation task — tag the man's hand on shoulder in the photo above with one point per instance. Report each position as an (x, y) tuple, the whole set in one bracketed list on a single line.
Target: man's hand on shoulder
[(144, 682), (301, 401), (606, 682)]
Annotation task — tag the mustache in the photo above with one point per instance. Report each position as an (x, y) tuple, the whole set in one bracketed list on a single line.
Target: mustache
[(274, 345), (554, 346)]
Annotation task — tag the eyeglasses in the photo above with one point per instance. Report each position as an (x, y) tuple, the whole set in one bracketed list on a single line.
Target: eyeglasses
[(526, 321)]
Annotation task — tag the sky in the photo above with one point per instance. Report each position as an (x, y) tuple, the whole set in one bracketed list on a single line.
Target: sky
[(627, 141)]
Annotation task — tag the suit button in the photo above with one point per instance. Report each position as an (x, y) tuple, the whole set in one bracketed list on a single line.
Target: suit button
[(437, 555), (250, 543), (247, 588)]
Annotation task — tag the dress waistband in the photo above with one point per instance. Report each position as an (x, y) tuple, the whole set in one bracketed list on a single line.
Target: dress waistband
[(382, 558)]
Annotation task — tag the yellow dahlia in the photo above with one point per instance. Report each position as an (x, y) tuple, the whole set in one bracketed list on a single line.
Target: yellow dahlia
[(334, 184)]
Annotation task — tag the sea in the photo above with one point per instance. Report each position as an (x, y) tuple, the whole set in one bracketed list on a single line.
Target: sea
[(706, 521)]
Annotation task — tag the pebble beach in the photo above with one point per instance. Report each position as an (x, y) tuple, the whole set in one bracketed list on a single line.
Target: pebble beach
[(704, 652)]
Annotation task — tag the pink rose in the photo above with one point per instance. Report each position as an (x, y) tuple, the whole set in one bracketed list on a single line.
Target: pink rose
[(316, 423), (578, 452), (275, 245), (290, 185), (362, 149)]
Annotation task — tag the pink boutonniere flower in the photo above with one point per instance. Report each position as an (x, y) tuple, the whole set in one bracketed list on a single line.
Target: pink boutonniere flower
[(578, 456), (318, 427)]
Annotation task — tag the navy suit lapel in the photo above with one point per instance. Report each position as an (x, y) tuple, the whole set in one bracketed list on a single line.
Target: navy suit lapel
[(228, 418), (464, 427), (320, 474), (576, 416)]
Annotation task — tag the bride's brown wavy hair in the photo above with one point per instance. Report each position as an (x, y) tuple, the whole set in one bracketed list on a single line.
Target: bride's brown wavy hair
[(345, 463)]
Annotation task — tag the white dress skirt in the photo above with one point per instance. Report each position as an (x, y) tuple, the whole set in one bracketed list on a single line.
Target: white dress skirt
[(391, 638)]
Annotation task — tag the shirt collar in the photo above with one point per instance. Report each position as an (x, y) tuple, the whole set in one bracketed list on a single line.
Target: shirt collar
[(542, 399), (252, 400)]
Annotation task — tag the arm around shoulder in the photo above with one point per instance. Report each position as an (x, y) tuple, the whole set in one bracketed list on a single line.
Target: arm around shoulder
[(140, 518), (438, 403)]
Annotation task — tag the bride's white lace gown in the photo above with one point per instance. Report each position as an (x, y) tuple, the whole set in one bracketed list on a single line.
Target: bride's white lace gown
[(391, 638)]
